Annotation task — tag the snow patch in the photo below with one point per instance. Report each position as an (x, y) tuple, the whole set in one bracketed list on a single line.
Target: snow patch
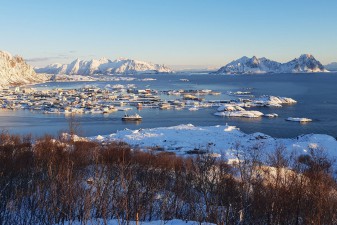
[(219, 139)]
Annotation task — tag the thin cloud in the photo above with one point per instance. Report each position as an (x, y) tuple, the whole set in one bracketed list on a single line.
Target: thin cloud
[(50, 58), (42, 59), (60, 57), (63, 56)]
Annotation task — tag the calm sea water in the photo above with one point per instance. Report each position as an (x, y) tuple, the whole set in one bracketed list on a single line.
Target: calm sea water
[(316, 95)]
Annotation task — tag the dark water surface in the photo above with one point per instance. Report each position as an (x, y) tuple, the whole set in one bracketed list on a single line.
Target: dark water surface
[(316, 95)]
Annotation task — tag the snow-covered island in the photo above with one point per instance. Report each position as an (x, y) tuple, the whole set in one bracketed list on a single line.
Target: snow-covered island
[(306, 63), (238, 109), (223, 141)]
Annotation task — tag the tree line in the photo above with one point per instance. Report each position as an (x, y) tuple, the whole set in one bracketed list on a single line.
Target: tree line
[(54, 181)]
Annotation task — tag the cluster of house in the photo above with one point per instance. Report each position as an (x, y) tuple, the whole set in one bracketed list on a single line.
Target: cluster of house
[(91, 99)]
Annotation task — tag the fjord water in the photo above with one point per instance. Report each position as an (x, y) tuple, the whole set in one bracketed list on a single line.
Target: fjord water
[(316, 95)]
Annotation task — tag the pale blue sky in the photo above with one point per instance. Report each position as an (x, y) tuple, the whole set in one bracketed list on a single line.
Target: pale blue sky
[(172, 32)]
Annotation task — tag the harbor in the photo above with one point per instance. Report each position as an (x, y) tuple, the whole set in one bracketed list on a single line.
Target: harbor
[(95, 100), (166, 101)]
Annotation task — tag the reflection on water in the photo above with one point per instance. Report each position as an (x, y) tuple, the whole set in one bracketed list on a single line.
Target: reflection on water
[(137, 122)]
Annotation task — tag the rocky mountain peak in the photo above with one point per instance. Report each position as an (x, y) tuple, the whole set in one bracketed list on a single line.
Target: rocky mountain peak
[(15, 71), (104, 66), (306, 63)]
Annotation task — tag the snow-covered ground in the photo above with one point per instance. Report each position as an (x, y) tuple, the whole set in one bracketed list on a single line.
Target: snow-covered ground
[(243, 113), (222, 140)]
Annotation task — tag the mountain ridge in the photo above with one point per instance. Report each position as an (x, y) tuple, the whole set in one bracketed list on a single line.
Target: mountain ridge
[(104, 66), (15, 71), (306, 63)]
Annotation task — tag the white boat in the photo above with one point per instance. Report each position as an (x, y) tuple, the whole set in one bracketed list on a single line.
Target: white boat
[(271, 115), (297, 119), (134, 117), (193, 109)]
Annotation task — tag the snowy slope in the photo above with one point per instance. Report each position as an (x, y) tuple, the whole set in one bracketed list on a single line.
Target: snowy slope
[(250, 65), (15, 71), (306, 63), (104, 66), (221, 140)]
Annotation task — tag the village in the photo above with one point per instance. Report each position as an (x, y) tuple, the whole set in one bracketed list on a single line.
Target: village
[(94, 100), (91, 99)]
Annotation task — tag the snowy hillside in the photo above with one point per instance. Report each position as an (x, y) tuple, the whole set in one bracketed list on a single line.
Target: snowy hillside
[(15, 71), (306, 63), (104, 66), (217, 140)]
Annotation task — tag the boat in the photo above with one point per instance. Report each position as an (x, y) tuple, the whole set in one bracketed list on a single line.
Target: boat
[(134, 117), (301, 120), (271, 115), (193, 108)]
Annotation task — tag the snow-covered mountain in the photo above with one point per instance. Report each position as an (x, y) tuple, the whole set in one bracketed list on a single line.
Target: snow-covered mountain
[(104, 66), (306, 63), (15, 71), (331, 66)]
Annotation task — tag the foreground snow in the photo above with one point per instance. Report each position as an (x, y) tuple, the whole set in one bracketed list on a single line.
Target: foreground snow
[(222, 140), (157, 222)]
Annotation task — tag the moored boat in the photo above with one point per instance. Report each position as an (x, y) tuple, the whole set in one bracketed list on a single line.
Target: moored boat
[(134, 117)]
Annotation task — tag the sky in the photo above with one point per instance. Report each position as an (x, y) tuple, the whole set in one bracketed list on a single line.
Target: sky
[(178, 33)]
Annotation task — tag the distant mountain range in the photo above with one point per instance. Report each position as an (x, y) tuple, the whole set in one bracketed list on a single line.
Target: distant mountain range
[(104, 66), (306, 63), (15, 71), (331, 66)]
